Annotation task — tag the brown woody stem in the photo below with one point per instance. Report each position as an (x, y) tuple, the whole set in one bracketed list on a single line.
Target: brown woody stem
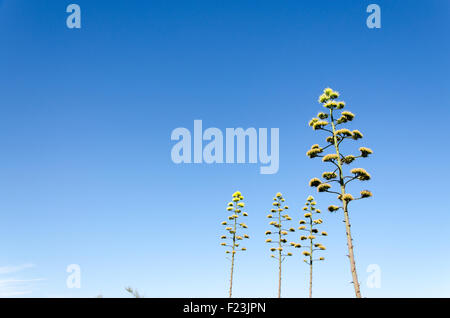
[(346, 216)]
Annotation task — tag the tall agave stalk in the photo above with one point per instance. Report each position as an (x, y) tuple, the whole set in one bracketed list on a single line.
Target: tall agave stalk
[(336, 136), (309, 226), (280, 232), (232, 227)]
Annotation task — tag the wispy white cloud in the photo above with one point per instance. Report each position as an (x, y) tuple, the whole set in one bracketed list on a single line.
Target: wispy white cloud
[(10, 281), (14, 293), (15, 287), (14, 269)]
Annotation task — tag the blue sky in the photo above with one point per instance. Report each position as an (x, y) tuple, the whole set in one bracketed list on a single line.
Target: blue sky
[(86, 116)]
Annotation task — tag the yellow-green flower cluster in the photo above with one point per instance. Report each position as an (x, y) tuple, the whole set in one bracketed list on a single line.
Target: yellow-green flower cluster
[(347, 197), (329, 175), (323, 187), (232, 226), (365, 151), (318, 124), (314, 182), (322, 115), (366, 194), (330, 140), (348, 115), (328, 99), (344, 132), (314, 151), (348, 159), (360, 174), (330, 157), (333, 208), (356, 134)]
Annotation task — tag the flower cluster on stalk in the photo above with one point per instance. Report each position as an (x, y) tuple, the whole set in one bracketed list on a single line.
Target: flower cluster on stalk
[(234, 226), (278, 235), (309, 226), (331, 123)]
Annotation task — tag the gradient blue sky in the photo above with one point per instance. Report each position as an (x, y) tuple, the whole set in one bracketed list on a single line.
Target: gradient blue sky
[(86, 115)]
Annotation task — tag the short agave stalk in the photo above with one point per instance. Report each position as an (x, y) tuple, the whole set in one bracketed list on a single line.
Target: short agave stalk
[(309, 227), (233, 226), (331, 123), (134, 292), (279, 233)]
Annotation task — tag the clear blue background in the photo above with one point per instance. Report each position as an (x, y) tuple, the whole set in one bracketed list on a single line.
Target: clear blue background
[(86, 115)]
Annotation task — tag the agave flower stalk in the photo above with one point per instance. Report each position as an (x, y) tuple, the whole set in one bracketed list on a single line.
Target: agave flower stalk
[(233, 227), (309, 226), (279, 233), (134, 292), (331, 123)]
